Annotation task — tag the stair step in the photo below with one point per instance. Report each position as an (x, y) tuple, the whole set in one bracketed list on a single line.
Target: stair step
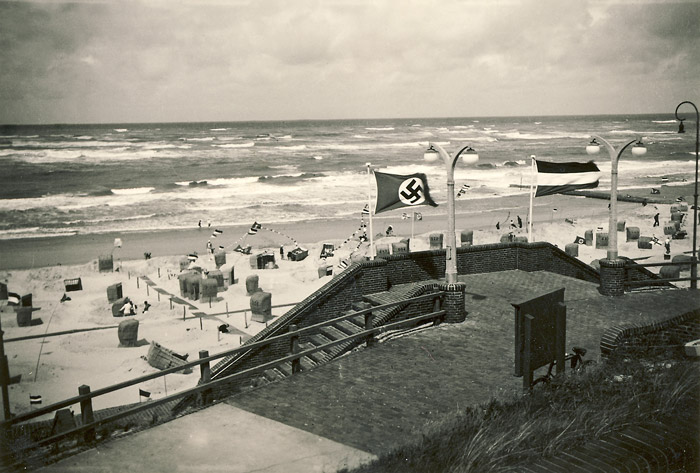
[(272, 374), (348, 327), (319, 339), (286, 368), (358, 320), (332, 333), (317, 357), (320, 357), (307, 363)]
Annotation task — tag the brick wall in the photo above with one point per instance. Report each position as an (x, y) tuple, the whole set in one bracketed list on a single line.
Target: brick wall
[(670, 334)]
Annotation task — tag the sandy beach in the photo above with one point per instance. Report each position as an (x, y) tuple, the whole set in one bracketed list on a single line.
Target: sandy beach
[(54, 366)]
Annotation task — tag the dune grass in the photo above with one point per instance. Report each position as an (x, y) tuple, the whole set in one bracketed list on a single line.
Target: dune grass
[(566, 413)]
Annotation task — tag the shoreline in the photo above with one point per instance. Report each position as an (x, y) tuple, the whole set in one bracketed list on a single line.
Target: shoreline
[(28, 253)]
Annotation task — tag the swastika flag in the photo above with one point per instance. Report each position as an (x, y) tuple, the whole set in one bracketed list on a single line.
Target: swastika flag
[(395, 191)]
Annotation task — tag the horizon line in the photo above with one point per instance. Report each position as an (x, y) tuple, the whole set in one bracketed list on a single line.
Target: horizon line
[(332, 119)]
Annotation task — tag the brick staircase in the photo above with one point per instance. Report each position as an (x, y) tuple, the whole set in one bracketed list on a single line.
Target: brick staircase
[(341, 330)]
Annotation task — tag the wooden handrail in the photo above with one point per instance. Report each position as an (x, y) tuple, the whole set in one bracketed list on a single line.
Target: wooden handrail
[(243, 348), (664, 263), (208, 386), (655, 282)]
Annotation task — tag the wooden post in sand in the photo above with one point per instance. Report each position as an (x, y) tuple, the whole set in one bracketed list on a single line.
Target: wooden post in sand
[(183, 312), (137, 282), (227, 310), (86, 414)]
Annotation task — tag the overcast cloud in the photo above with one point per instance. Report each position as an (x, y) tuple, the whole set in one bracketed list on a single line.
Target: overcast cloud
[(117, 61)]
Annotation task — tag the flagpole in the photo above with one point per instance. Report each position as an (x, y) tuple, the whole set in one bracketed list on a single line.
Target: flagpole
[(413, 225), (532, 187), (369, 207)]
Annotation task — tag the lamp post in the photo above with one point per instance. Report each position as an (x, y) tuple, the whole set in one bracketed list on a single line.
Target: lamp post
[(470, 156), (594, 148), (694, 263)]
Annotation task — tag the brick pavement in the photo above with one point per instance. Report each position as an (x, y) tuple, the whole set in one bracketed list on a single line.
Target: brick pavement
[(376, 399)]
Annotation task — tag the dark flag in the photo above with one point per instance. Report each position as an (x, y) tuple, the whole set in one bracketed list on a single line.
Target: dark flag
[(417, 216), (462, 191), (143, 393), (555, 178), (254, 228), (395, 191), (580, 240)]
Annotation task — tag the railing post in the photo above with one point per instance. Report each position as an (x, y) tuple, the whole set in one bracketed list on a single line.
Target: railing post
[(437, 306), (86, 414), (369, 325), (294, 348), (6, 458), (205, 376)]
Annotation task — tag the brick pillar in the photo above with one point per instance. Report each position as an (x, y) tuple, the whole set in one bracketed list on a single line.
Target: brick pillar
[(612, 277), (454, 302)]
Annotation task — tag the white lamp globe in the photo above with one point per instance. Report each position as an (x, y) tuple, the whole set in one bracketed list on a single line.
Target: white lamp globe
[(431, 155), (593, 147), (639, 149), (470, 156)]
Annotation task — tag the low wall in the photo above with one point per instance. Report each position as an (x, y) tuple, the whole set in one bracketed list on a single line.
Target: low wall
[(669, 334), (539, 256)]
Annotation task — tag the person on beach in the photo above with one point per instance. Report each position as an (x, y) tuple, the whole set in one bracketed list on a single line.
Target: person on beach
[(281, 251), (199, 224), (656, 220), (389, 230), (667, 244), (128, 308), (209, 223), (512, 224), (146, 306), (520, 222), (210, 247)]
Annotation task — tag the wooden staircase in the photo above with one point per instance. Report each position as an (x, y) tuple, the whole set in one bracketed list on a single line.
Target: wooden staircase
[(341, 330)]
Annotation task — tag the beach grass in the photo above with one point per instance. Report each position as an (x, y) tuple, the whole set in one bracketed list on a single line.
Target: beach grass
[(562, 415)]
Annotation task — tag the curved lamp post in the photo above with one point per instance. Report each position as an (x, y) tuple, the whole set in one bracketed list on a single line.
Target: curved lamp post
[(694, 265), (470, 157), (594, 148)]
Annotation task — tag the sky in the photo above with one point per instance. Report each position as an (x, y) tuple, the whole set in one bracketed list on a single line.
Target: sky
[(126, 61)]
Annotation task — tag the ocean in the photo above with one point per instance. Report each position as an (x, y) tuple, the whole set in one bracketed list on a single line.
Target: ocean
[(79, 179)]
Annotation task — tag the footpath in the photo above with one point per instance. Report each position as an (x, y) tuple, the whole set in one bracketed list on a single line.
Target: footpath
[(366, 403)]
